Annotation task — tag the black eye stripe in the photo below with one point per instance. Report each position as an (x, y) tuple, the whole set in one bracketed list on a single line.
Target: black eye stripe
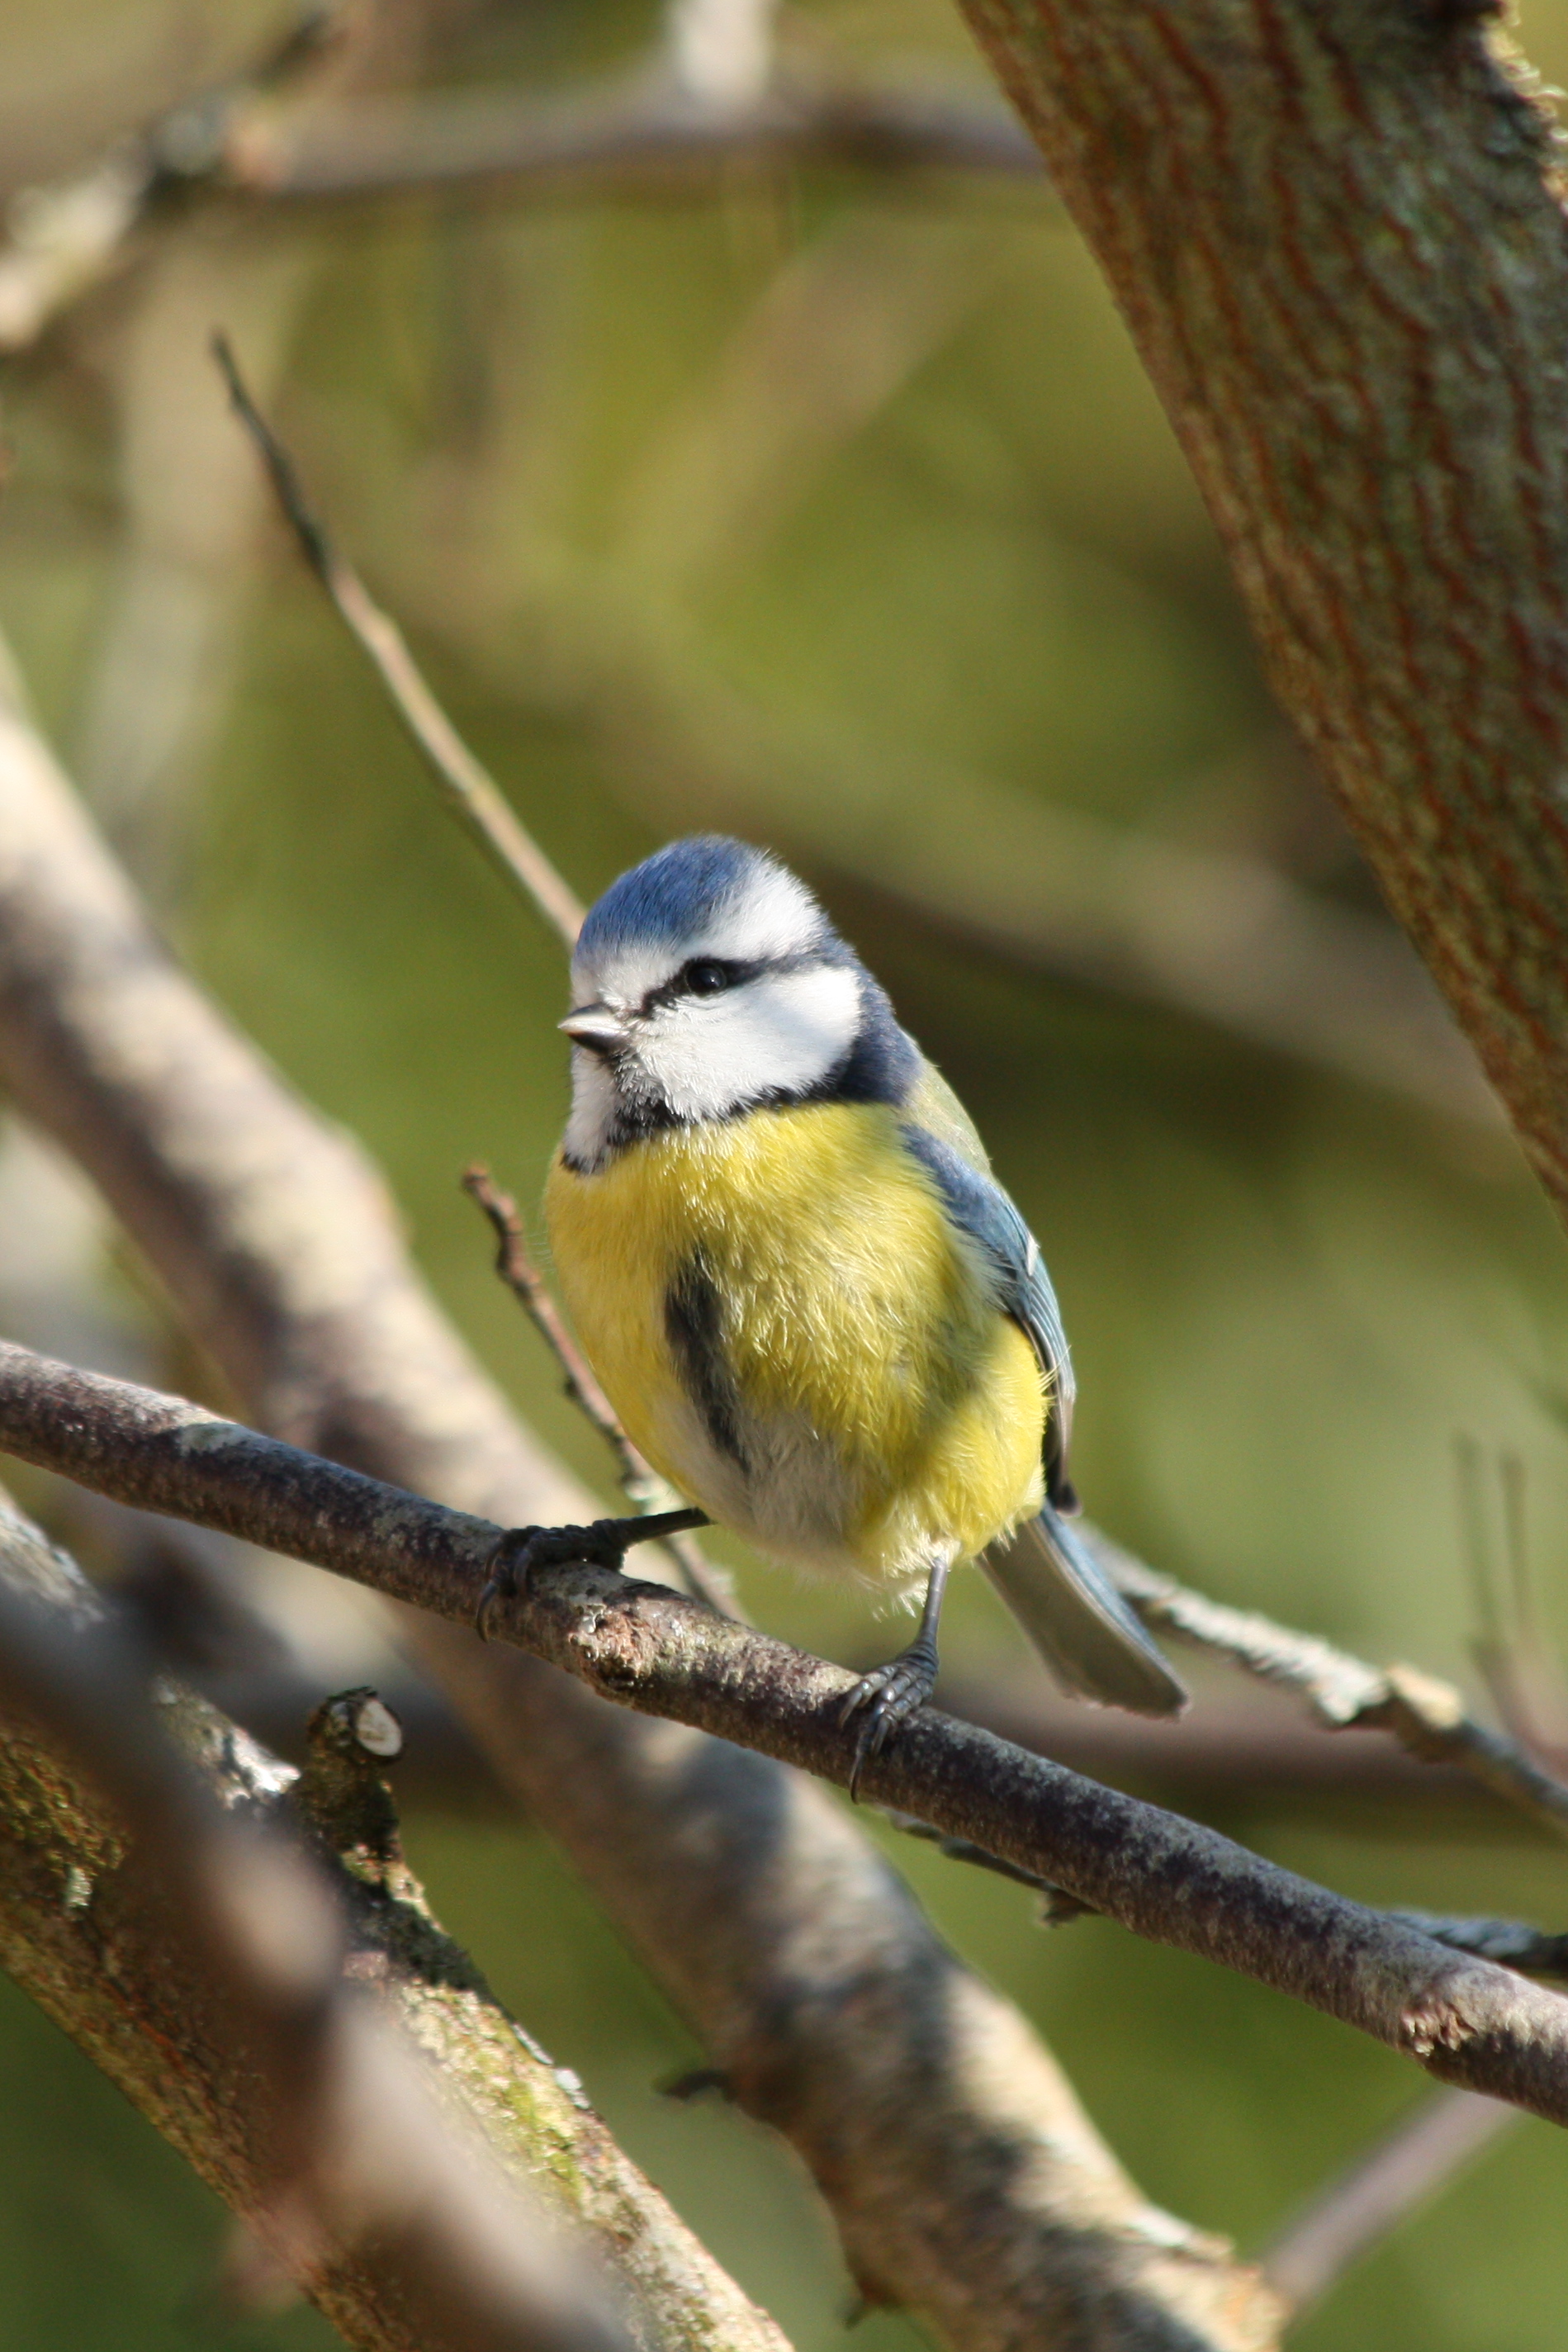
[(717, 974), (737, 970)]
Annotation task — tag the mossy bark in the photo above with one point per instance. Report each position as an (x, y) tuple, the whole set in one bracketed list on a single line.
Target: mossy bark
[(79, 1932)]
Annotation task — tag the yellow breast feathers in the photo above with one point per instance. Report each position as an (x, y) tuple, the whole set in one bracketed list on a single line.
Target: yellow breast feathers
[(799, 1339)]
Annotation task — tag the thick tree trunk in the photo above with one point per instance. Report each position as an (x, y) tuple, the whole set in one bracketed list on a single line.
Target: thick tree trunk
[(1334, 228)]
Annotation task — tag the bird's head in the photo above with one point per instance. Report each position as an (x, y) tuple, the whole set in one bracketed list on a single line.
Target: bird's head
[(706, 982)]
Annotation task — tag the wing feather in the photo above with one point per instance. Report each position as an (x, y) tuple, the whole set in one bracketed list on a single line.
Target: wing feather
[(1062, 1598), (977, 1202)]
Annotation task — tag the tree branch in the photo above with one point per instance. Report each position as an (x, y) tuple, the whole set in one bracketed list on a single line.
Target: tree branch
[(1376, 2193), (1427, 1716), (639, 131), (1466, 2020), (964, 2178), (644, 128), (1336, 229), (250, 2036)]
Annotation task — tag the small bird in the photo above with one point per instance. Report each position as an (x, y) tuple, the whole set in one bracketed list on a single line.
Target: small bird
[(814, 1308)]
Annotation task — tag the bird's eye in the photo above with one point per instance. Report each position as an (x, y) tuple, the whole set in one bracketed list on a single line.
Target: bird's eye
[(705, 978)]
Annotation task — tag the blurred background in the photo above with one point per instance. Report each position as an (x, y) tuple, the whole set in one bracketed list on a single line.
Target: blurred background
[(803, 485)]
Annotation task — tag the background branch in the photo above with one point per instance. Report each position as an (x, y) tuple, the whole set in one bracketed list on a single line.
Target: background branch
[(1372, 2196), (634, 132), (266, 134), (185, 1946), (1427, 1716)]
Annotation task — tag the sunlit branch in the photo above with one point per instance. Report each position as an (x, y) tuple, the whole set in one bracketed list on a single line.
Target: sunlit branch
[(646, 1647)]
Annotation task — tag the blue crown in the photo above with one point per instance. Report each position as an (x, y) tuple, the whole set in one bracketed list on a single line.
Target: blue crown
[(673, 895)]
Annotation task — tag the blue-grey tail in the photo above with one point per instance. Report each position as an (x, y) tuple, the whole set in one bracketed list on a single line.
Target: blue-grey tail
[(1076, 1620)]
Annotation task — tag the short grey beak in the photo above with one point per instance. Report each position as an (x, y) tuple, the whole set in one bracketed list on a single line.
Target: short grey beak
[(596, 1026)]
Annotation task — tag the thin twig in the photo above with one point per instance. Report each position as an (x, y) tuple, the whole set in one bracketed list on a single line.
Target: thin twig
[(1426, 1715), (644, 1646), (1376, 2192), (469, 787), (1511, 1943), (514, 1265), (639, 1482)]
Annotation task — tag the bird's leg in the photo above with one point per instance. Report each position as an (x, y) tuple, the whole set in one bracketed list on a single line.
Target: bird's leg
[(516, 1554), (890, 1694)]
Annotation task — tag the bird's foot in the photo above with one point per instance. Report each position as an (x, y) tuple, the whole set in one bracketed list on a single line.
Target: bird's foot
[(887, 1698), (521, 1551), (604, 1544)]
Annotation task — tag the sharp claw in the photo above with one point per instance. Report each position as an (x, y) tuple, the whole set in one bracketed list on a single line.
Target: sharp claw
[(488, 1600), (890, 1695), (521, 1550), (875, 1732), (509, 1554), (855, 1699)]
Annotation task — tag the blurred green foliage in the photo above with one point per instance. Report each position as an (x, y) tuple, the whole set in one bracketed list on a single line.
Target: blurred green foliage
[(670, 567)]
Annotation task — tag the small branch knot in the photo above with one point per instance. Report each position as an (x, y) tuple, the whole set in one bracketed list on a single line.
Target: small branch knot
[(341, 1794)]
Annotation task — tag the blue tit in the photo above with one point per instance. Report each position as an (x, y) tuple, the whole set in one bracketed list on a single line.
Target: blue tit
[(815, 1310)]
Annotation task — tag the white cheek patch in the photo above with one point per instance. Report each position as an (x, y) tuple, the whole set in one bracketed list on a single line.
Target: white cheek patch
[(782, 1032)]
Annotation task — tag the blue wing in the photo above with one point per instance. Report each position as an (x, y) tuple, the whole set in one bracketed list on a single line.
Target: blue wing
[(977, 1202), (1054, 1585)]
